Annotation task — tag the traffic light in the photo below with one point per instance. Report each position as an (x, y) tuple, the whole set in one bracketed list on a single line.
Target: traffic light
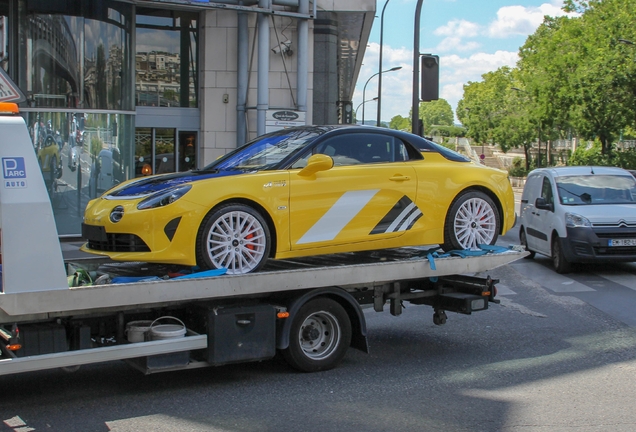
[(345, 112), (430, 77)]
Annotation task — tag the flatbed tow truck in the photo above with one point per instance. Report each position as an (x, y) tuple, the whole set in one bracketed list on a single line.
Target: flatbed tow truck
[(309, 309)]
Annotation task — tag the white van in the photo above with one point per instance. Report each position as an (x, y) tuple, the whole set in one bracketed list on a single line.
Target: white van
[(579, 214)]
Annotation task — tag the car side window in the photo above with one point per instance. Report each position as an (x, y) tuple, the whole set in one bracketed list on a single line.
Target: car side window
[(546, 191), (361, 148)]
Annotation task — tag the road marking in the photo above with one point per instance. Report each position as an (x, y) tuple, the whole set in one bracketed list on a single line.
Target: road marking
[(626, 280), (503, 290), (550, 280)]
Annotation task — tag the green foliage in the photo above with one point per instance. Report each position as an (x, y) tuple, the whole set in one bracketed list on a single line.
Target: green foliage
[(579, 75), (96, 146), (400, 123), (447, 131), (594, 156), (518, 168), (438, 112)]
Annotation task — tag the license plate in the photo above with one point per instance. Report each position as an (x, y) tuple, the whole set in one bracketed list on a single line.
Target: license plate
[(622, 242)]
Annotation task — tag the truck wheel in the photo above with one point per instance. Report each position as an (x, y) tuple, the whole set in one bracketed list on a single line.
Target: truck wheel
[(523, 241), (319, 337), (235, 237), (473, 219), (560, 263)]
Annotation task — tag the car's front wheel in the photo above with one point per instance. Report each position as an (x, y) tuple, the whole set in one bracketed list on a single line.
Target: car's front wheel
[(560, 263), (472, 220), (235, 237)]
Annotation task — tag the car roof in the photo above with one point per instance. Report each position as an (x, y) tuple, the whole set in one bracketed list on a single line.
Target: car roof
[(580, 170)]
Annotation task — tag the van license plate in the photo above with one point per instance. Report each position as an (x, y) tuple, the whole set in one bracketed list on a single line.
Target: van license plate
[(622, 242)]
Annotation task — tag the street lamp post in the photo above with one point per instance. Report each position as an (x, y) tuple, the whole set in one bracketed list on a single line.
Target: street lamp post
[(356, 111), (378, 120), (364, 90)]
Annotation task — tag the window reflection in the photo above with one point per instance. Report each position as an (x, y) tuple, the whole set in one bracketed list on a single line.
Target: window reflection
[(80, 156), (165, 60), (75, 56)]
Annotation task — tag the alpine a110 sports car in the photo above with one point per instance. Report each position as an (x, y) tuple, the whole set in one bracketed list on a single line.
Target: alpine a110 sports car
[(303, 191)]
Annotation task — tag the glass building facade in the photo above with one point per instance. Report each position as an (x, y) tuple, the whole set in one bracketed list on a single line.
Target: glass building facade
[(85, 66)]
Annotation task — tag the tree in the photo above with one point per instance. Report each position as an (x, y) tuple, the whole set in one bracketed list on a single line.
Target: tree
[(578, 75), (400, 123), (437, 112)]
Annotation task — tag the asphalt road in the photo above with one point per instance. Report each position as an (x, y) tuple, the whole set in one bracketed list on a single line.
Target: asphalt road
[(539, 361), (553, 356)]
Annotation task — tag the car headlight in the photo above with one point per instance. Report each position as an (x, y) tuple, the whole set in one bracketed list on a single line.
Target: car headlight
[(164, 197), (573, 220)]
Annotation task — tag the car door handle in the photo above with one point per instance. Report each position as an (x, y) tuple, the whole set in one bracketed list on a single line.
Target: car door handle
[(399, 178)]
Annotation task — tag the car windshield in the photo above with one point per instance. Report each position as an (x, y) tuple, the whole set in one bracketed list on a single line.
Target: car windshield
[(265, 152), (596, 189)]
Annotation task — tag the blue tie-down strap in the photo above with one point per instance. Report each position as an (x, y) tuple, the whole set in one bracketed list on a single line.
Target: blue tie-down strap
[(198, 274), (484, 249), (201, 274), (133, 279)]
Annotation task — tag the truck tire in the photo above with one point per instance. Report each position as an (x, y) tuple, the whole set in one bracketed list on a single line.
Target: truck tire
[(235, 237), (472, 219), (319, 337), (523, 241), (560, 263)]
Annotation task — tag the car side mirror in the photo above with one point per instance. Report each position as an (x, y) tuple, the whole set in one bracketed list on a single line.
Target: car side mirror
[(542, 204), (317, 162)]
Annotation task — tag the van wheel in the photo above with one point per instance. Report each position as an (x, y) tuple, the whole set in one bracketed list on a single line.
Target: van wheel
[(319, 337), (523, 241), (472, 220), (561, 265)]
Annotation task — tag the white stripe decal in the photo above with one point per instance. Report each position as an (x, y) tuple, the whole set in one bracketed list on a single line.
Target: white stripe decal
[(410, 220), (398, 220), (338, 216)]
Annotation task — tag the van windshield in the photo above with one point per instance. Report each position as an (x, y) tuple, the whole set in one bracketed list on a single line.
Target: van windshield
[(596, 189)]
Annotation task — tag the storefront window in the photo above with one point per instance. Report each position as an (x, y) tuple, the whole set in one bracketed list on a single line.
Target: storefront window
[(166, 58), (77, 54), (73, 60)]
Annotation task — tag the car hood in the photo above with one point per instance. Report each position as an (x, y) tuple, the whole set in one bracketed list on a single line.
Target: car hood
[(149, 185), (602, 214)]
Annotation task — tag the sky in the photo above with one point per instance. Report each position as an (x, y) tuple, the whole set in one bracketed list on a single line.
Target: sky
[(471, 37)]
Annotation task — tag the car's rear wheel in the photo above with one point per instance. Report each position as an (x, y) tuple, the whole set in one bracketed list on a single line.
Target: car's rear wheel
[(523, 241), (560, 263), (472, 220), (235, 237)]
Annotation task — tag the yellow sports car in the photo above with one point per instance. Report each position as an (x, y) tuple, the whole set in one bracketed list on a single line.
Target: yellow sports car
[(304, 191)]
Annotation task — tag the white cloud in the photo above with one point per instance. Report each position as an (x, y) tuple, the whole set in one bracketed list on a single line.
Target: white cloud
[(456, 44), (458, 28), (520, 20), (456, 70)]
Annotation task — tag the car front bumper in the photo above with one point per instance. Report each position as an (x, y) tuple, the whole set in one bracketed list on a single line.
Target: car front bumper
[(593, 245)]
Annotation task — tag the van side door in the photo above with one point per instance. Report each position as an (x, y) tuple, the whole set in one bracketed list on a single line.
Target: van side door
[(543, 218)]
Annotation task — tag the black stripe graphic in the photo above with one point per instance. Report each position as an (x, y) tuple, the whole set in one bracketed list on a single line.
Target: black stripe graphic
[(394, 213)]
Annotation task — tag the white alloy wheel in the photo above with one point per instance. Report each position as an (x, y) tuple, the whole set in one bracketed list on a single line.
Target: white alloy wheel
[(235, 238), (472, 220)]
